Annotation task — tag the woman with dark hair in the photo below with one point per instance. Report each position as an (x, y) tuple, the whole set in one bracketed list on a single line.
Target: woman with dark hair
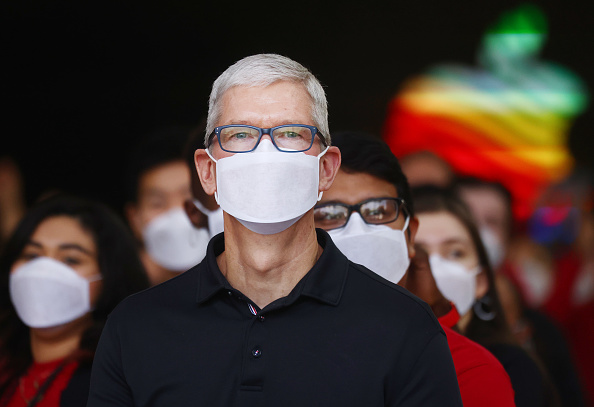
[(66, 266), (463, 274)]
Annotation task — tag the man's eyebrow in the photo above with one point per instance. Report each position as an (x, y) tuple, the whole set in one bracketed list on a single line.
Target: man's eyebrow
[(247, 123)]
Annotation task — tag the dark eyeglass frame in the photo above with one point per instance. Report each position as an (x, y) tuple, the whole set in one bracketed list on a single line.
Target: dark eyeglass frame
[(401, 204), (314, 131)]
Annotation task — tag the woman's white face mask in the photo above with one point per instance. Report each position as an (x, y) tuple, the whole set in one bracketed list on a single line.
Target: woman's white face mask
[(48, 293), (456, 282), (380, 248), (268, 190)]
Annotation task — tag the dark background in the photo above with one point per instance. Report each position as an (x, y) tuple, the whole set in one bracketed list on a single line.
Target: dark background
[(84, 81)]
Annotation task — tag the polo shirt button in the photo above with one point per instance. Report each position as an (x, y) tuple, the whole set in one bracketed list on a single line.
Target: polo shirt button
[(261, 318), (256, 352)]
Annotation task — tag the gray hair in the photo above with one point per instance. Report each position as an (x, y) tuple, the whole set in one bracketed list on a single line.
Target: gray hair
[(264, 70)]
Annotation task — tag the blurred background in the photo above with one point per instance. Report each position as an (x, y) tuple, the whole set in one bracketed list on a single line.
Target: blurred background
[(84, 81)]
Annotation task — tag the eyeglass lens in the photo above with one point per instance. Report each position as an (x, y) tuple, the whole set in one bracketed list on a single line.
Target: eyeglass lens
[(286, 138), (376, 211)]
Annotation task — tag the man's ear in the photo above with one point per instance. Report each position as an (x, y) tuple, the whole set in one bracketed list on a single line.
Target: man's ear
[(329, 165), (411, 232), (133, 218), (206, 169)]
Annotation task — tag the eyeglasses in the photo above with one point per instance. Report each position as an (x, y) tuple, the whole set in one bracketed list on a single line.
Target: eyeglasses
[(375, 211), (289, 138)]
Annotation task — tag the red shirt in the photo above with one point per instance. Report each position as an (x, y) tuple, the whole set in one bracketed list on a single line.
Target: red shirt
[(35, 377), (482, 379)]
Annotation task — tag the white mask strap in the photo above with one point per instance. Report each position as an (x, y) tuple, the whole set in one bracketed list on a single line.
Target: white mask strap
[(211, 157), (320, 156), (323, 152), (94, 278), (202, 208), (476, 270), (406, 223)]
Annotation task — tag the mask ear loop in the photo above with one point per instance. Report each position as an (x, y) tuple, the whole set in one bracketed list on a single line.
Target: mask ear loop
[(320, 156), (95, 278), (208, 153), (406, 222)]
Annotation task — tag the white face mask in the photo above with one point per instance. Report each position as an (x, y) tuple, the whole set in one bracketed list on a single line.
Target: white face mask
[(173, 242), (215, 218), (493, 246), (538, 281), (47, 293), (456, 283), (268, 190), (380, 248)]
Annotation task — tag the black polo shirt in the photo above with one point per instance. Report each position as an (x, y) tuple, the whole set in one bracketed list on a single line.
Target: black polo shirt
[(343, 337)]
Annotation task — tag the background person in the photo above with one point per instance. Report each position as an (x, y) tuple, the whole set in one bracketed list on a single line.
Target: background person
[(67, 265), (521, 284), (158, 185), (462, 271)]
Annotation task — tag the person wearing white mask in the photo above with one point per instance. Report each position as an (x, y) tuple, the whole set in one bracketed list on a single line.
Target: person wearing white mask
[(524, 280), (65, 268), (368, 211), (463, 273), (274, 315), (159, 187)]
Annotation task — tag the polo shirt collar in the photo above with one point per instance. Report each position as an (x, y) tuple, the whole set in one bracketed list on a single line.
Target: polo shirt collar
[(324, 282)]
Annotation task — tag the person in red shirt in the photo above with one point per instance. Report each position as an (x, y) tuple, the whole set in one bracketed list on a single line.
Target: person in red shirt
[(67, 265), (479, 372)]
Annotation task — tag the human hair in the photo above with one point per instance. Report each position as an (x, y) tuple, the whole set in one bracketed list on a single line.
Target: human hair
[(162, 146), (121, 269), (364, 153), (494, 329), (263, 70)]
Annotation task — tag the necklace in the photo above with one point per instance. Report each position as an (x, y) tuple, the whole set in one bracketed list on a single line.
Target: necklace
[(22, 391), (40, 386)]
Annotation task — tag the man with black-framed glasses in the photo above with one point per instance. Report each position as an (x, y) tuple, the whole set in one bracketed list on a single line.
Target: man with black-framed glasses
[(368, 211), (273, 316)]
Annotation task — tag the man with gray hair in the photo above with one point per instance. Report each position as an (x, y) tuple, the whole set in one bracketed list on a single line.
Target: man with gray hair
[(274, 315)]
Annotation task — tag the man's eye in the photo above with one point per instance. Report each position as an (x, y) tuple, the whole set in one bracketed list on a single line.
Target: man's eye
[(240, 136), (290, 134), (322, 215), (375, 213)]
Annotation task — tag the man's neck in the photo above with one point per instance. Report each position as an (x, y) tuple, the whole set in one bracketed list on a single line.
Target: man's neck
[(267, 267)]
